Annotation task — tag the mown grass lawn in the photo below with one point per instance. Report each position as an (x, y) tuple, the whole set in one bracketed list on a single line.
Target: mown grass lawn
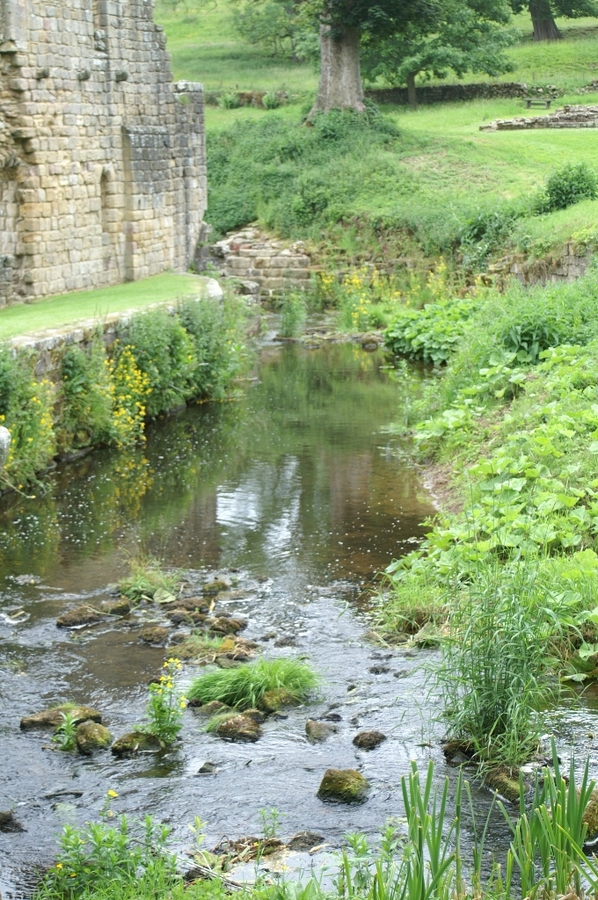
[(52, 312)]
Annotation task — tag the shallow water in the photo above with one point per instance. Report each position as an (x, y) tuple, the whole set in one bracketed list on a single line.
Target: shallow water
[(298, 486)]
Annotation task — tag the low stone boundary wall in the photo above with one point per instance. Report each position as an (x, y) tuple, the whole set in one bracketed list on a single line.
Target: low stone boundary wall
[(567, 267), (47, 345), (264, 266), (566, 117), (450, 93)]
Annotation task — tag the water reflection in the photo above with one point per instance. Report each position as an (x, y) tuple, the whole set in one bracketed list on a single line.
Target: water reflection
[(296, 469)]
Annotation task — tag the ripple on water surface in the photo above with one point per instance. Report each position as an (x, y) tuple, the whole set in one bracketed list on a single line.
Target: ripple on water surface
[(299, 488)]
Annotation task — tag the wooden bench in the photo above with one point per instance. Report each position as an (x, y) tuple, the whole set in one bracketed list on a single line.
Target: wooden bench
[(535, 101)]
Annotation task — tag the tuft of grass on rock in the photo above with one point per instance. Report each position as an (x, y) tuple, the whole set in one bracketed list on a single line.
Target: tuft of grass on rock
[(149, 581), (245, 686)]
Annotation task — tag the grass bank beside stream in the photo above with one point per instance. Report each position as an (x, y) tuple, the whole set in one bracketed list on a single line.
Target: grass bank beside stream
[(511, 579)]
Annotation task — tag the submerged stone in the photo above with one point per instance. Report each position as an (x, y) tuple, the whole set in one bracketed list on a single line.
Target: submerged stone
[(136, 742), (92, 736), (318, 732), (8, 823), (590, 817), (81, 615), (215, 587), (241, 728), (345, 785), (54, 717), (368, 740), (226, 625)]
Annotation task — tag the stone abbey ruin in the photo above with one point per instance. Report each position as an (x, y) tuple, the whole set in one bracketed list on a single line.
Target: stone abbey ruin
[(102, 156)]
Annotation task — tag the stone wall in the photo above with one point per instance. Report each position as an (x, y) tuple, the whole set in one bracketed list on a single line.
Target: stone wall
[(264, 266), (102, 157), (450, 93), (568, 266), (566, 117)]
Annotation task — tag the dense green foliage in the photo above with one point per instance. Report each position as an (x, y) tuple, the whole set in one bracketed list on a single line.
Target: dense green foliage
[(422, 859), (516, 414), (567, 186), (159, 362)]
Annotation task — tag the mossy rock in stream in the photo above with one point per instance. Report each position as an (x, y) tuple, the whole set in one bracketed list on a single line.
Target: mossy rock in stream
[(226, 625), (505, 782), (345, 785), (54, 717), (81, 615), (590, 817), (215, 587), (136, 742), (157, 635), (368, 740), (120, 607), (239, 729), (277, 698), (91, 736)]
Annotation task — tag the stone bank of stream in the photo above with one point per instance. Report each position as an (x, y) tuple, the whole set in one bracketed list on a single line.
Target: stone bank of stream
[(298, 488)]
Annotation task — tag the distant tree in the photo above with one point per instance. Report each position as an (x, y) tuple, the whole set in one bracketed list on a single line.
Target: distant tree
[(419, 36), (544, 12), (460, 36), (275, 25)]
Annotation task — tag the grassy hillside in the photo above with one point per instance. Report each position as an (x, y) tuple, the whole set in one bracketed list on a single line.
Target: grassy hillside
[(424, 185)]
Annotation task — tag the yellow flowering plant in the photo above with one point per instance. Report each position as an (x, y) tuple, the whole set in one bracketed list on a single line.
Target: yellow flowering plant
[(115, 852), (165, 706)]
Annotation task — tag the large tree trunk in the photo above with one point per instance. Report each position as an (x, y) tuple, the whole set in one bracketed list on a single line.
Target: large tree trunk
[(545, 28), (411, 90), (340, 76)]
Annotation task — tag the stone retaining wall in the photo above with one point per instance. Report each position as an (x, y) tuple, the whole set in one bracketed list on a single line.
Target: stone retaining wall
[(263, 266), (567, 267), (47, 345), (450, 93)]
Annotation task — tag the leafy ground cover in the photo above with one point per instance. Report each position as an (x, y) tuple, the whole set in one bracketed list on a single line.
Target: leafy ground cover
[(514, 415)]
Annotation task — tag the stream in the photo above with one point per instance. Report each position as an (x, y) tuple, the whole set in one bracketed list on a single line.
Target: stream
[(297, 494)]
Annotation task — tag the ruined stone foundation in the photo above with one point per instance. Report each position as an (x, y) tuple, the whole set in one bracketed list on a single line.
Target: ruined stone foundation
[(102, 156)]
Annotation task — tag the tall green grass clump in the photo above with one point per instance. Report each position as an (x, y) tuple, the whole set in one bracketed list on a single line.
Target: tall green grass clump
[(244, 687), (149, 580), (498, 662)]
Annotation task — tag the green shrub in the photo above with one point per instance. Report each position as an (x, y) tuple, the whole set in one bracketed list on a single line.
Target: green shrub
[(110, 857), (229, 100), (431, 333), (495, 673), (26, 409), (567, 186), (270, 100), (244, 687), (86, 397), (216, 331), (164, 352), (293, 312)]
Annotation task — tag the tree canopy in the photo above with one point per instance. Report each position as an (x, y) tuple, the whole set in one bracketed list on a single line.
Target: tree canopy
[(544, 12), (458, 35)]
